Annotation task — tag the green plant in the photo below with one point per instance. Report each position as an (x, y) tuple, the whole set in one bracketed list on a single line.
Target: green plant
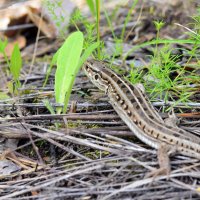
[(89, 38), (77, 19), (128, 17), (161, 42), (3, 44), (135, 75), (118, 41), (14, 64), (162, 65), (95, 10), (91, 5), (59, 19), (158, 25), (98, 25), (69, 60), (166, 78)]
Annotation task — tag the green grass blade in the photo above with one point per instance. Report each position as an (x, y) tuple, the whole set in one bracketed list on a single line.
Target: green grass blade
[(87, 53), (53, 62), (67, 62), (91, 5), (160, 41), (127, 19), (98, 26)]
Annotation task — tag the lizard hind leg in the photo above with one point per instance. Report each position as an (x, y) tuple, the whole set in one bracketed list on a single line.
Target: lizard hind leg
[(163, 154)]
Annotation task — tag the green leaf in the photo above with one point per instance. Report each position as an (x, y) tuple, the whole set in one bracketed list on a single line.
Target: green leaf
[(87, 53), (91, 5), (53, 62), (67, 62), (16, 64), (49, 106)]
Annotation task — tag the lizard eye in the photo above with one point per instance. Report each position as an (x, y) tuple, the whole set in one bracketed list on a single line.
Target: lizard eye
[(96, 76), (86, 67)]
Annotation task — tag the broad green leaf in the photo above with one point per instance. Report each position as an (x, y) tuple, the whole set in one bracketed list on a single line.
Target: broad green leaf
[(16, 64), (67, 62), (83, 58)]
